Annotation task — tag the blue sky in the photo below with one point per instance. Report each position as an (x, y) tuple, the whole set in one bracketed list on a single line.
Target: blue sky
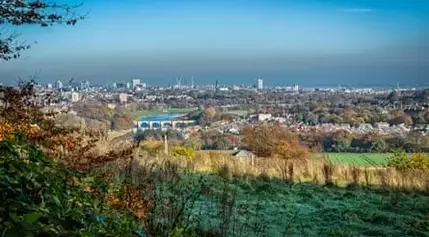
[(310, 42)]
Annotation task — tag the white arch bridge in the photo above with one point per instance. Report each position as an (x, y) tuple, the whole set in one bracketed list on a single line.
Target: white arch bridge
[(164, 124)]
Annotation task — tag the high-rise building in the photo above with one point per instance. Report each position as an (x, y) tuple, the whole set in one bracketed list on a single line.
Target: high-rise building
[(84, 85), (58, 84), (136, 82), (128, 85), (114, 85), (295, 88), (260, 84), (49, 86)]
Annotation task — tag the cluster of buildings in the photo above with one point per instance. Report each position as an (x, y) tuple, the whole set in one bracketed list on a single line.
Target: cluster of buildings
[(135, 84), (77, 91), (380, 128)]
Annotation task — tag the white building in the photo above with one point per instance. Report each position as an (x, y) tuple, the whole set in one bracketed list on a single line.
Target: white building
[(264, 117), (49, 86), (136, 82), (260, 84), (123, 98), (74, 97), (128, 85)]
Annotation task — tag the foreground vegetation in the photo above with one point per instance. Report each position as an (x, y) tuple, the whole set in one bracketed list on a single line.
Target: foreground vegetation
[(222, 202), (39, 198), (276, 209), (178, 201), (53, 183)]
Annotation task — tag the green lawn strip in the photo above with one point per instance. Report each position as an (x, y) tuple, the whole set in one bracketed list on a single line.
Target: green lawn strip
[(359, 159)]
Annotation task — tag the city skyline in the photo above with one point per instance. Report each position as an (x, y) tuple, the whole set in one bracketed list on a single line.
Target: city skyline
[(258, 83), (307, 42)]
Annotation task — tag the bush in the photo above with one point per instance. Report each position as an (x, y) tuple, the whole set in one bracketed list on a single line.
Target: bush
[(38, 198), (153, 147), (403, 161), (183, 151)]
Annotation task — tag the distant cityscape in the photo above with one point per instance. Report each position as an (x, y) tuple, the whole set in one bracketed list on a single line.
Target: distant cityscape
[(72, 88)]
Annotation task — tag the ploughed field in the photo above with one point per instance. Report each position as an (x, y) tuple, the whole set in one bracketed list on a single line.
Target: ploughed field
[(359, 159)]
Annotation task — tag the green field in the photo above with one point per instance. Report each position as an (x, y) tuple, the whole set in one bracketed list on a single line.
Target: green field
[(140, 114), (359, 159), (240, 112)]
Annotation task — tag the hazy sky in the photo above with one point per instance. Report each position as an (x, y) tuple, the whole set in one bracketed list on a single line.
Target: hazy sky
[(283, 41)]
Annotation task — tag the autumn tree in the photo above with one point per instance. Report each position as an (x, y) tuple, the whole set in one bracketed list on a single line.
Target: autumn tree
[(122, 122), (402, 118), (68, 120), (341, 140), (209, 114), (274, 141), (30, 12), (21, 108)]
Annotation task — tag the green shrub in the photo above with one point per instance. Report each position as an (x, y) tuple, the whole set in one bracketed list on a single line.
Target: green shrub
[(403, 161), (39, 198)]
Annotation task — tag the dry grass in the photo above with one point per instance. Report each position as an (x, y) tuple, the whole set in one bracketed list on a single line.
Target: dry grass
[(316, 170)]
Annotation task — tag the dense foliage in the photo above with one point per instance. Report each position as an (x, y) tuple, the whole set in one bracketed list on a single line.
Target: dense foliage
[(344, 141), (274, 141), (99, 117), (172, 135), (39, 198), (315, 107), (209, 115), (403, 161)]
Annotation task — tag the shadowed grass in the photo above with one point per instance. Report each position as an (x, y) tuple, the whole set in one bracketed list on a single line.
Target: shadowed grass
[(234, 198)]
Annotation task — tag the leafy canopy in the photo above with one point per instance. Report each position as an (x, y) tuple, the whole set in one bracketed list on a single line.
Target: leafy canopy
[(30, 12)]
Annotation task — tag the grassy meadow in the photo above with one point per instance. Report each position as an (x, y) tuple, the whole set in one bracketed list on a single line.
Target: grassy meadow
[(359, 159)]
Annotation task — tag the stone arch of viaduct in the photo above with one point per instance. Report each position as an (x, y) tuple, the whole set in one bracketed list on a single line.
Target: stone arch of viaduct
[(169, 124)]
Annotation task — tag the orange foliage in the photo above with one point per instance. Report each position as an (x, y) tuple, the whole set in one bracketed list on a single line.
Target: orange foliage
[(20, 116), (274, 141), (131, 200)]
